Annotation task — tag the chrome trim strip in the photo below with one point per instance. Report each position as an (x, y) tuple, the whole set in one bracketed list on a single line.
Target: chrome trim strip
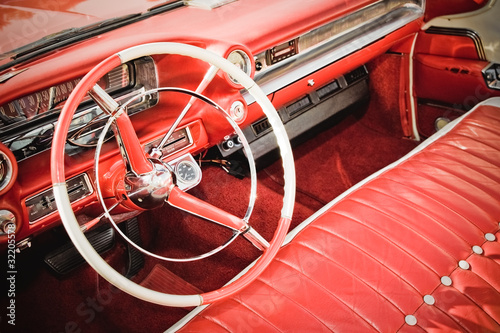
[(413, 107), (6, 170), (49, 193), (347, 39)]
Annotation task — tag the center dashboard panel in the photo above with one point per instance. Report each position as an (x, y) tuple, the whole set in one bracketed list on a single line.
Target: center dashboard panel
[(302, 114)]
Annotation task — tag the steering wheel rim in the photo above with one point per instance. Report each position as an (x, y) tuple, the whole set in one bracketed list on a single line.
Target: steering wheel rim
[(64, 205)]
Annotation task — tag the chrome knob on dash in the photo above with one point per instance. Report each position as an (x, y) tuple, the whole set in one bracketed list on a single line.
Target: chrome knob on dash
[(8, 169), (7, 222)]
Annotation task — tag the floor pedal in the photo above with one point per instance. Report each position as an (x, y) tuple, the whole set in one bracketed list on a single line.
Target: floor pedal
[(66, 258), (163, 280), (135, 257)]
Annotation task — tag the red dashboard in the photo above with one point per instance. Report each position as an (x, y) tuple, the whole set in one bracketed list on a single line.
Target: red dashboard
[(52, 77)]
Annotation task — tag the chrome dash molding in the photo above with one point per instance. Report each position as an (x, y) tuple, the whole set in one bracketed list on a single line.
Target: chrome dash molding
[(335, 40)]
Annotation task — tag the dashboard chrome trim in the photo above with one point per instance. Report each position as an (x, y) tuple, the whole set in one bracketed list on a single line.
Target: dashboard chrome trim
[(169, 148), (473, 35), (334, 41), (6, 171), (491, 75), (48, 196)]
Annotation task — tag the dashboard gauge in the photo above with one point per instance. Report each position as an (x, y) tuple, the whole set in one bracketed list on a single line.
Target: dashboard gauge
[(186, 172), (25, 138), (8, 223), (9, 111), (242, 60), (8, 169), (50, 99)]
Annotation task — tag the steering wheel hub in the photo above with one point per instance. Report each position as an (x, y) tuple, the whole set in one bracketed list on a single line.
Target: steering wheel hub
[(150, 190)]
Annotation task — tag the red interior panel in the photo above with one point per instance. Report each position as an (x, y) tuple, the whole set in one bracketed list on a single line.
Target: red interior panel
[(446, 46), (454, 81)]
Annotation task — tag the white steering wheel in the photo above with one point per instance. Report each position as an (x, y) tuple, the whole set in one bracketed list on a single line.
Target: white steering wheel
[(145, 167)]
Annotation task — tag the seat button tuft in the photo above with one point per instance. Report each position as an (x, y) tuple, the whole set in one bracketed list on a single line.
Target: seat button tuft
[(477, 249), (411, 320), (446, 280), (490, 237), (429, 299), (463, 264)]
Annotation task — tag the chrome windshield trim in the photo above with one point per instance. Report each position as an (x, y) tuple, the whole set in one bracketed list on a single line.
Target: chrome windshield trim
[(348, 40)]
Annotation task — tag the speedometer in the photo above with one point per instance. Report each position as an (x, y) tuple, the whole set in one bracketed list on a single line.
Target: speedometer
[(27, 123), (43, 101)]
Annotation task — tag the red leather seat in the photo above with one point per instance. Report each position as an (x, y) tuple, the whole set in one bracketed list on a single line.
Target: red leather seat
[(413, 248)]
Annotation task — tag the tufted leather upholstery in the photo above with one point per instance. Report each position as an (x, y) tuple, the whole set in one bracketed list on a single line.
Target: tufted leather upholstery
[(414, 248)]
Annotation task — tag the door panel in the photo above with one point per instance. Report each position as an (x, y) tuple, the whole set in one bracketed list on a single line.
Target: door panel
[(449, 58)]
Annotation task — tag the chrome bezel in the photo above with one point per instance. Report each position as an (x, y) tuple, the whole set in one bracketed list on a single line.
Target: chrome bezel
[(8, 173), (187, 184), (492, 80), (166, 153), (247, 63)]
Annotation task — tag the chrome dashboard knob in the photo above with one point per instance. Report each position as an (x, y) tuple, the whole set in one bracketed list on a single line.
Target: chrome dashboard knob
[(8, 169), (7, 222)]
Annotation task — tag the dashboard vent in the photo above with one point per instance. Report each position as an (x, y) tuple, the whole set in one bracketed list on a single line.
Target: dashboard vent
[(355, 75), (328, 90), (298, 106), (261, 126)]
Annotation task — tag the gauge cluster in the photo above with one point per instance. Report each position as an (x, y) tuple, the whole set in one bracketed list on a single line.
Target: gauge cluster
[(27, 123), (49, 100)]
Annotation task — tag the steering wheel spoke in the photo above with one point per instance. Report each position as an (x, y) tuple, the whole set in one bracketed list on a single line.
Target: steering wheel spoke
[(156, 152), (188, 203), (133, 155), (256, 239)]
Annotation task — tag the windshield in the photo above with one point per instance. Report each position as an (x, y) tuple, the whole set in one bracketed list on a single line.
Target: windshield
[(23, 22)]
